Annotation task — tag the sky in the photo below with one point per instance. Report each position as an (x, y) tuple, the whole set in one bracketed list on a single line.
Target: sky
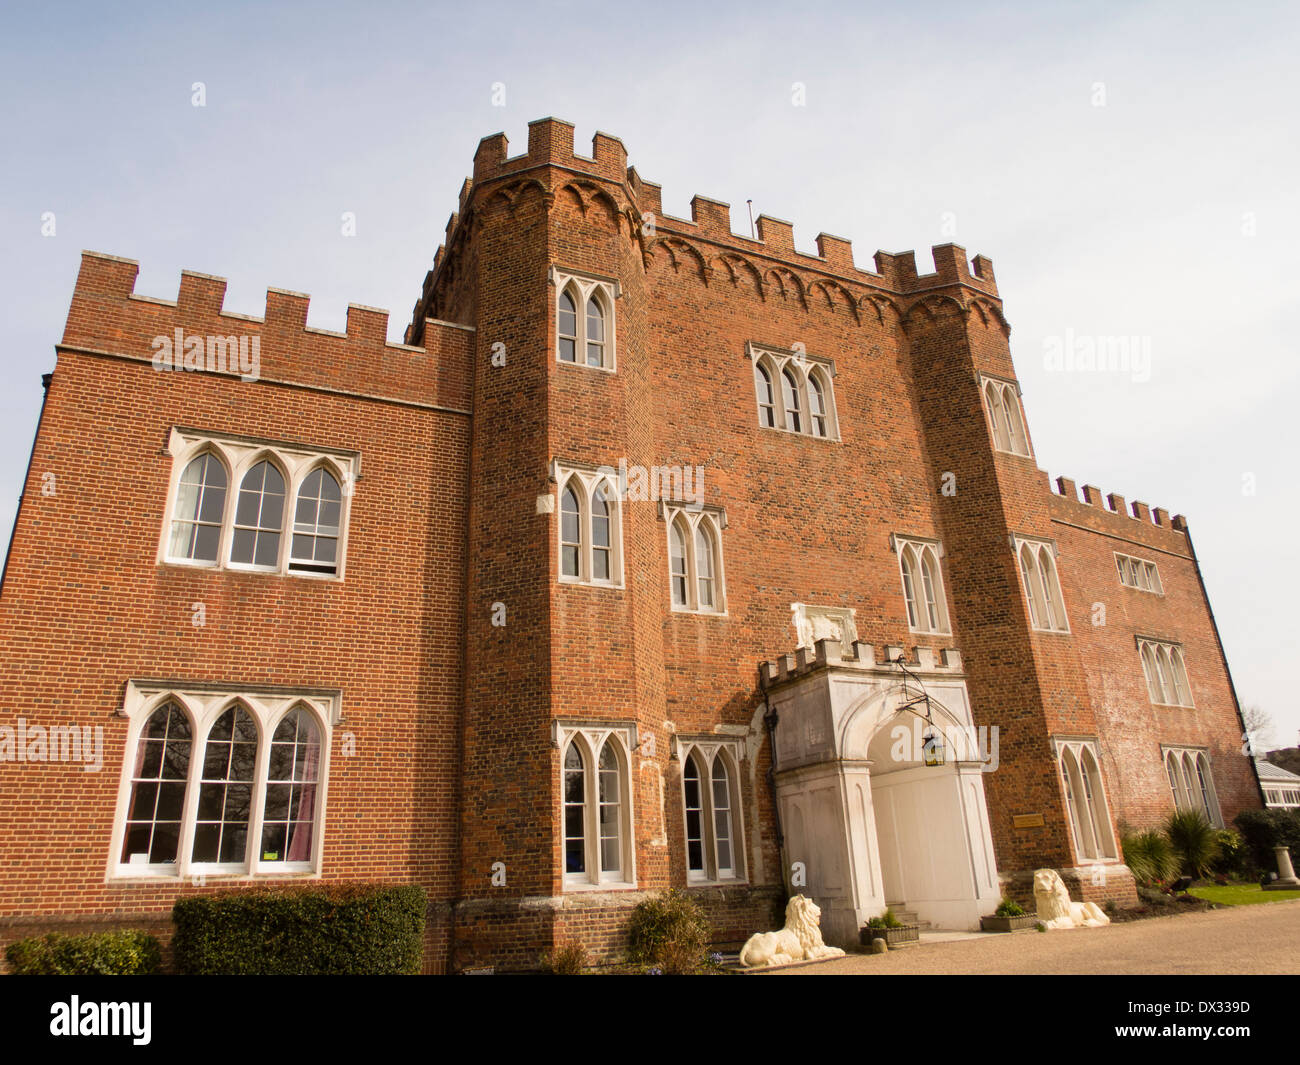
[(1133, 171)]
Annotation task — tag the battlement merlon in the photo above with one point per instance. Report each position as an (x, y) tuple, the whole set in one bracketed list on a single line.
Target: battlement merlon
[(107, 315), (1111, 513)]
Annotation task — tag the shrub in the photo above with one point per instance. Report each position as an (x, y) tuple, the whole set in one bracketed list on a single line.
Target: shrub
[(670, 932), (1194, 839), (888, 919), (123, 953), (1009, 908), (1150, 857), (1265, 829), (1234, 858), (568, 960), (346, 929)]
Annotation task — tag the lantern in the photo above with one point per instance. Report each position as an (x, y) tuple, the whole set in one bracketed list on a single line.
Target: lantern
[(932, 742)]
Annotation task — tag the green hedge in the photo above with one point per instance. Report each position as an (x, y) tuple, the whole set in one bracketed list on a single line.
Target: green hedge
[(1265, 829), (348, 929), (123, 953)]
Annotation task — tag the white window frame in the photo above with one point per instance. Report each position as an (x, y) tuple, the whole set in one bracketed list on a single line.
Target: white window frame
[(802, 367), (582, 287), (917, 549), (706, 749), (1044, 598), (246, 467), (1138, 573), (1167, 685), (692, 517), (1281, 797), (1010, 431), (239, 454), (585, 480), (766, 420), (1084, 794), (204, 704), (1191, 781), (591, 738)]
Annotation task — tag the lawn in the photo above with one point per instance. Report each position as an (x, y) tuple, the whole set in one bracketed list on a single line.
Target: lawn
[(1241, 894)]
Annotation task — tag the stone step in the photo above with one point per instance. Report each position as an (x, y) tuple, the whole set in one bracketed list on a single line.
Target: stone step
[(908, 916)]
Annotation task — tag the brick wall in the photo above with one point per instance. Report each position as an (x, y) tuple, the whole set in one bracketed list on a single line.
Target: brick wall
[(1133, 729), (86, 605)]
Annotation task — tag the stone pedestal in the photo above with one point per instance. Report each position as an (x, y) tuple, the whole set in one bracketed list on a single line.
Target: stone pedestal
[(1286, 878)]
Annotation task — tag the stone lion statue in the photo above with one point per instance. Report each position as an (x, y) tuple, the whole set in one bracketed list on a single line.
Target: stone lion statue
[(1055, 908), (799, 940)]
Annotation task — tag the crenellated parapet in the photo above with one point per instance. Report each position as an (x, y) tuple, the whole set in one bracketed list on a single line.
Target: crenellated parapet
[(895, 274), (1111, 513), (194, 332), (862, 656), (828, 280), (550, 143), (951, 267)]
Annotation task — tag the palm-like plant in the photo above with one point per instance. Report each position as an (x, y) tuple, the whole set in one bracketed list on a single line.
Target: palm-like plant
[(1150, 857), (1194, 839)]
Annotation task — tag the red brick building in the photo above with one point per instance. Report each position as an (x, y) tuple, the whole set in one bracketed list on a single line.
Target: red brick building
[(519, 609)]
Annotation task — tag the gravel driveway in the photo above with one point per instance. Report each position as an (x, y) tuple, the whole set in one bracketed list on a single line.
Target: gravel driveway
[(1240, 939)]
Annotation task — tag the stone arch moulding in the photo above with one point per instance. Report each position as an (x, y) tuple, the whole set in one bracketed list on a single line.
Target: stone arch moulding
[(990, 314), (588, 194), (836, 297), (874, 303), (876, 711), (513, 194), (602, 197), (675, 247), (932, 307), (737, 266), (795, 286), (574, 193)]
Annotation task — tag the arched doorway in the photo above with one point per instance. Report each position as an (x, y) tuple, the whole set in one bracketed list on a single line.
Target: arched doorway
[(866, 822), (933, 840)]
